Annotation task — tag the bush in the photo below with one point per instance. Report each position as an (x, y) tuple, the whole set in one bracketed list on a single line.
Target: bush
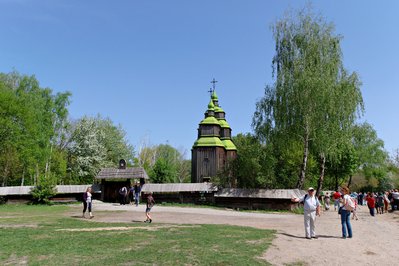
[(3, 200), (42, 193)]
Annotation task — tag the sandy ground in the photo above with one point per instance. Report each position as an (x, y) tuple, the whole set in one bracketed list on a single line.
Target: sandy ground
[(375, 239)]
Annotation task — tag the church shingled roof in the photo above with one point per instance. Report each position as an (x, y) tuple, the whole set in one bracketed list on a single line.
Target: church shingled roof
[(208, 142)]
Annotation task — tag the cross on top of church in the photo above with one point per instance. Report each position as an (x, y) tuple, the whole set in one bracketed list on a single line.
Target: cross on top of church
[(211, 90), (214, 83)]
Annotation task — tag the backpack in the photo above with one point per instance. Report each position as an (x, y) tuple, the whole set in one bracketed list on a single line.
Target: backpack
[(350, 205), (303, 202)]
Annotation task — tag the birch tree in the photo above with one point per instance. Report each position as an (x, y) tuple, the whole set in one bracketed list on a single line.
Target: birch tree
[(313, 99)]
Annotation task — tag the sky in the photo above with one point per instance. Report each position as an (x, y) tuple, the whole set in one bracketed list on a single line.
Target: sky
[(147, 65)]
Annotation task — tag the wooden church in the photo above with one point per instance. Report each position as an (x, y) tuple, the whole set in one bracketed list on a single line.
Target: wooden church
[(213, 148)]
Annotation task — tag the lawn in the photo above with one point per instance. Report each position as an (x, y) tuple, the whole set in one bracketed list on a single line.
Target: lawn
[(48, 235)]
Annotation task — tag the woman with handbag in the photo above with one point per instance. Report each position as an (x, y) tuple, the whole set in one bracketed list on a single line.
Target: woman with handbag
[(347, 205)]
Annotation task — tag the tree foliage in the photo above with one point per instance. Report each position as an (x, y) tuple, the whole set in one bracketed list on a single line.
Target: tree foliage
[(313, 101), (38, 139), (164, 163), (96, 143), (31, 117)]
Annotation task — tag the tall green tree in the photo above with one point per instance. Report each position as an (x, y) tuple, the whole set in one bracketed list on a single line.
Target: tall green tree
[(313, 99), (29, 114)]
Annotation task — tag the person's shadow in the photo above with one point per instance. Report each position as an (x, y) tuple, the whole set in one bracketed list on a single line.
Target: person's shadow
[(319, 236)]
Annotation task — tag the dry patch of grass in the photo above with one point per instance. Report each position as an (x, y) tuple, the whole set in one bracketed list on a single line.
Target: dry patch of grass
[(4, 226), (125, 228), (15, 260)]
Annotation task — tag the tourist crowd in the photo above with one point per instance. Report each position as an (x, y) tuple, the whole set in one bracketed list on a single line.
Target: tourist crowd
[(345, 203)]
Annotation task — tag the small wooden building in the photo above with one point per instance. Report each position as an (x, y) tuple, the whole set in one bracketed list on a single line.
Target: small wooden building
[(194, 193), (258, 199), (112, 179)]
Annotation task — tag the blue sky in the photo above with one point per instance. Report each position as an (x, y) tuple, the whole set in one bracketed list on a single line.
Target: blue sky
[(147, 65)]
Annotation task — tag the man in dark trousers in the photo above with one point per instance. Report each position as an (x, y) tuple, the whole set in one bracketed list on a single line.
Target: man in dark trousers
[(137, 191)]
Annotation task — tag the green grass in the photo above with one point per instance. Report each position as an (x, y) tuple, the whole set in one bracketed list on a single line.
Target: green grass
[(31, 234)]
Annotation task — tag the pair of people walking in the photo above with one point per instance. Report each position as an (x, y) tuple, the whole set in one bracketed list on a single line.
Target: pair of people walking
[(312, 209)]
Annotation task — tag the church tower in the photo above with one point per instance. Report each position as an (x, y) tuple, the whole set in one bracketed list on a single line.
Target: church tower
[(213, 148)]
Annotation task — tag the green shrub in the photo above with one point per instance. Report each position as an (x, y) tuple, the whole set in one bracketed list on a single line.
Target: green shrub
[(3, 200), (42, 193)]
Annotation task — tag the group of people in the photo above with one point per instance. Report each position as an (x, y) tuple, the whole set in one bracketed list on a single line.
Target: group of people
[(131, 194), (380, 203), (345, 203), (136, 190)]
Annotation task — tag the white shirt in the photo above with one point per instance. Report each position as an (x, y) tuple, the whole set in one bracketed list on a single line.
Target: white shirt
[(347, 198), (311, 202), (88, 199)]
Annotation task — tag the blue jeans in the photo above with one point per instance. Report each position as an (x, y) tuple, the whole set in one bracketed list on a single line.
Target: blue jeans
[(346, 222), (137, 198), (336, 204)]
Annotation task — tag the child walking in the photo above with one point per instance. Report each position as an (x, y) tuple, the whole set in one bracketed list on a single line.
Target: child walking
[(150, 204), (355, 210)]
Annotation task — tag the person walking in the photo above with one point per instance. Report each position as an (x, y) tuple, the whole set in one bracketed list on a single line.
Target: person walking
[(354, 211), (311, 209), (395, 197), (370, 203), (122, 195), (336, 197), (137, 191), (386, 201), (347, 206), (87, 203), (380, 203), (150, 204), (327, 201)]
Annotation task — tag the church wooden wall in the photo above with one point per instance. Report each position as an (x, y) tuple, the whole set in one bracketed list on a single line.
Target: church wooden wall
[(206, 162)]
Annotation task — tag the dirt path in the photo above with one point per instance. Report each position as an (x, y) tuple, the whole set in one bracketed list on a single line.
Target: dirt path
[(375, 239)]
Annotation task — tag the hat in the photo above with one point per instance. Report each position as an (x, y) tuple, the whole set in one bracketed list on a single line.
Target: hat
[(310, 188)]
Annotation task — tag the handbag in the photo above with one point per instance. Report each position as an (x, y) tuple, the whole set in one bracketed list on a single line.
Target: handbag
[(340, 210)]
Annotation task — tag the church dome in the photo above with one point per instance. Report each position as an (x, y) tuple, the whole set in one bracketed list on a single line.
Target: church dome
[(229, 145), (223, 123), (210, 120), (211, 106), (208, 142), (218, 109), (214, 97)]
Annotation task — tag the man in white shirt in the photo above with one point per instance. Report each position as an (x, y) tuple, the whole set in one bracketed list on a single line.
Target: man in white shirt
[(311, 209)]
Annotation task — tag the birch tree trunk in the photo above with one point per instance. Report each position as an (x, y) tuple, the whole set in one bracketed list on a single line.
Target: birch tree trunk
[(322, 171), (302, 173)]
